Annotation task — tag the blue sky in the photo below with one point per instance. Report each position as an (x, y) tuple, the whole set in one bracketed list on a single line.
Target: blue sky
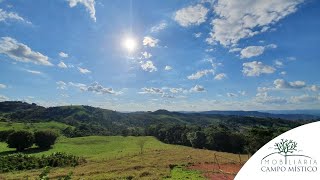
[(147, 55)]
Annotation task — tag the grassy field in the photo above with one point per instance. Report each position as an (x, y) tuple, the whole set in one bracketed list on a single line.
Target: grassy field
[(117, 157)]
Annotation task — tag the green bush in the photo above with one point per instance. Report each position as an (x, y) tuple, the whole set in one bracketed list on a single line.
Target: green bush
[(4, 135), (45, 139), (20, 140), (20, 161)]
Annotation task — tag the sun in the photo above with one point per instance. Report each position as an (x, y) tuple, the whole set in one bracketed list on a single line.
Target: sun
[(130, 44)]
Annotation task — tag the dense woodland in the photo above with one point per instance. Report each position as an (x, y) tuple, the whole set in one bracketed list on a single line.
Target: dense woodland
[(228, 133)]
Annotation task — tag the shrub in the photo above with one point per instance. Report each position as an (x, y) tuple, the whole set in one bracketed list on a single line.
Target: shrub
[(20, 161), (45, 139), (4, 135), (20, 140)]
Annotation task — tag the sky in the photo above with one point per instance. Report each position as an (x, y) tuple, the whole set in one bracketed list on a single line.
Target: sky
[(130, 55)]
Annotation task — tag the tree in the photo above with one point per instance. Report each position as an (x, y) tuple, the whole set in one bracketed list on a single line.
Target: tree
[(141, 142), (197, 139), (45, 139), (285, 147), (20, 140)]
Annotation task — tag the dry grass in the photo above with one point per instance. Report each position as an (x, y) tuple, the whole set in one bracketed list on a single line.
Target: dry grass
[(153, 164)]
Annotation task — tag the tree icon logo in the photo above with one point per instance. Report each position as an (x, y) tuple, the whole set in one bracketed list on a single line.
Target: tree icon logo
[(286, 148)]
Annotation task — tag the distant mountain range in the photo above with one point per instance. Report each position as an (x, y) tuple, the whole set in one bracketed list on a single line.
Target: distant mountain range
[(288, 114)]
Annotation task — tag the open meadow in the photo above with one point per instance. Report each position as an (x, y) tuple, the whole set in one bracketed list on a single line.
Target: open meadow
[(118, 157)]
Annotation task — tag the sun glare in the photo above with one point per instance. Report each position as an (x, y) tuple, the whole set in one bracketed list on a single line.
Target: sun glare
[(130, 44)]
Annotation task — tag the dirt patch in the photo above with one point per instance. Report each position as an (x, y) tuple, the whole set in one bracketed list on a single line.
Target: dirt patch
[(218, 172)]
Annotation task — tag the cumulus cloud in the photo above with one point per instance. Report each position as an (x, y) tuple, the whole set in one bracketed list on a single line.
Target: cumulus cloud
[(232, 95), (95, 87), (237, 20), (62, 65), (256, 68), (197, 88), (220, 76), (61, 85), (150, 41), (63, 54), (197, 35), (252, 51), (83, 70), (146, 55), (33, 72), (283, 73), (282, 84), (3, 86), (89, 4), (159, 27), (200, 74), (314, 88), (99, 89), (235, 50), (168, 68), (305, 98), (148, 66), (5, 16), (192, 15), (278, 63), (3, 98), (264, 98), (176, 90), (151, 90), (21, 52)]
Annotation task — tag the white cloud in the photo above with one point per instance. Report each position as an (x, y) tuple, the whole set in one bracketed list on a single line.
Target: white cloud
[(168, 68), (232, 95), (314, 88), (83, 70), (63, 54), (305, 98), (278, 63), (283, 73), (94, 87), (282, 84), (220, 76), (3, 86), (151, 90), (3, 98), (21, 52), (4, 16), (146, 55), (200, 74), (243, 93), (159, 27), (252, 51), (89, 4), (150, 41), (62, 65), (197, 35), (209, 50), (99, 89), (148, 66), (237, 20), (264, 98), (33, 72), (235, 50), (256, 68), (192, 15), (61, 85), (197, 88), (176, 90)]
